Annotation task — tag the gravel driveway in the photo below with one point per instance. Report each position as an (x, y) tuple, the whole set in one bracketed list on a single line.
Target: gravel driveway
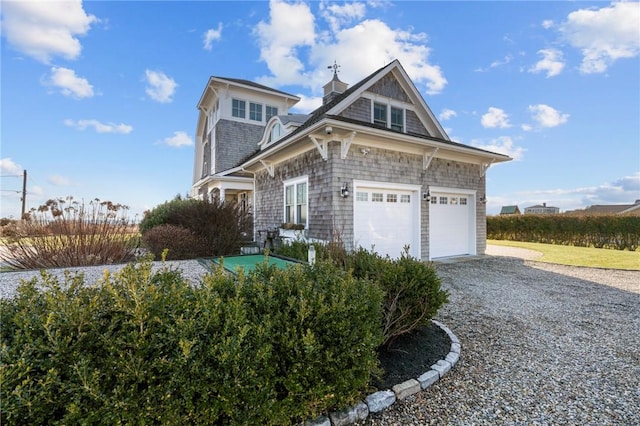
[(541, 344)]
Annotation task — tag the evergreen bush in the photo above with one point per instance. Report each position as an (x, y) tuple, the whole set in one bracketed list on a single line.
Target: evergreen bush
[(143, 347)]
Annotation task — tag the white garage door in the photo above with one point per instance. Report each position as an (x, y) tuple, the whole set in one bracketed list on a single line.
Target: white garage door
[(386, 219), (451, 225)]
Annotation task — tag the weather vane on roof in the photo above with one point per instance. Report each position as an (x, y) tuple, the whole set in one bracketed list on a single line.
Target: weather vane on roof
[(335, 67)]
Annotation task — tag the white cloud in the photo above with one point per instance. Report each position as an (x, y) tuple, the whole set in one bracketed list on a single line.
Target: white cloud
[(495, 117), (447, 114), (9, 167), (547, 116), (69, 83), (179, 139), (624, 190), (288, 40), (501, 145), (307, 103), (291, 27), (212, 35), (44, 29), (160, 87), (58, 180), (547, 23), (99, 127), (552, 62), (339, 15), (604, 35)]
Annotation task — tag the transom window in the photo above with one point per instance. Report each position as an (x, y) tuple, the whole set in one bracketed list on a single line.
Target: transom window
[(392, 198), (463, 201), (270, 112), (377, 197), (238, 108), (296, 201), (255, 111), (443, 200), (405, 198), (362, 196)]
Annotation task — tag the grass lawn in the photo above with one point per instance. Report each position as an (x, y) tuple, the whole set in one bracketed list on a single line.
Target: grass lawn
[(579, 256)]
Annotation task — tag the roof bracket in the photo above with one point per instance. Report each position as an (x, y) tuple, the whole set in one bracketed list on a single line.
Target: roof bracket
[(323, 146), (346, 144), (428, 156), (485, 167), (269, 166)]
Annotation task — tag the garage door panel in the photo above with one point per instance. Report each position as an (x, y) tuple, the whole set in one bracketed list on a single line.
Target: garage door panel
[(385, 219), (450, 225)]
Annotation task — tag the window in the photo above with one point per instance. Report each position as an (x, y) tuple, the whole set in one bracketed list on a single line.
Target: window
[(270, 112), (397, 119), (405, 198), (295, 202), (238, 108), (392, 198), (443, 200), (362, 196), (453, 200), (434, 200), (255, 111), (377, 197), (380, 114), (276, 131), (463, 201)]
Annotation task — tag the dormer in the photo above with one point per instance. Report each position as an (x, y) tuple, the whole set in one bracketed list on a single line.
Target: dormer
[(279, 127)]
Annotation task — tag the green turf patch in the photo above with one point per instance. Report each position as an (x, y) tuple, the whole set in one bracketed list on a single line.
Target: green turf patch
[(248, 262)]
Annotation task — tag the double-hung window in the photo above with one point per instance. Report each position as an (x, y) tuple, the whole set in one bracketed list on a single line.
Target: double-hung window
[(296, 201), (271, 111), (255, 111), (397, 119), (238, 108), (380, 114)]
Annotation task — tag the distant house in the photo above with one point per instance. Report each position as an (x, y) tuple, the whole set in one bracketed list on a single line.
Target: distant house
[(610, 209), (371, 164), (510, 210), (541, 209)]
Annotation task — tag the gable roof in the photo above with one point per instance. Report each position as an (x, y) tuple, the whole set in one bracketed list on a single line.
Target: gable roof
[(510, 210), (329, 113)]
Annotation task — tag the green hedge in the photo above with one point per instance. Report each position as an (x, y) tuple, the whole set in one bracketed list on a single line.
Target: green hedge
[(413, 291), (614, 232), (272, 347)]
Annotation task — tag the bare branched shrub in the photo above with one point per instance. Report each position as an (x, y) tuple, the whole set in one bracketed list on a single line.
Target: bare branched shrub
[(64, 232)]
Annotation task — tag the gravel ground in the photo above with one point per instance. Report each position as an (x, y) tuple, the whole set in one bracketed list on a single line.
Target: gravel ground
[(542, 344), (9, 281)]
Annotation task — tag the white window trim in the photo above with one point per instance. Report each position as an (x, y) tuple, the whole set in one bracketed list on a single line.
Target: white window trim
[(294, 182), (390, 103)]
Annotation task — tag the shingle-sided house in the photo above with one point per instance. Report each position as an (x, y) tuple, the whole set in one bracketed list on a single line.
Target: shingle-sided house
[(371, 166)]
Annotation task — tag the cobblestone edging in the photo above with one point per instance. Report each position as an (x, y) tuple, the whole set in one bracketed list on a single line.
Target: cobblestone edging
[(382, 400)]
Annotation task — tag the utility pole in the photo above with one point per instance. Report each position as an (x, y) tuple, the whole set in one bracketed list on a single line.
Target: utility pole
[(24, 193)]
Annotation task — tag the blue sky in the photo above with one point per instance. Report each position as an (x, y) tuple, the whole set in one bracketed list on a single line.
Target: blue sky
[(98, 99)]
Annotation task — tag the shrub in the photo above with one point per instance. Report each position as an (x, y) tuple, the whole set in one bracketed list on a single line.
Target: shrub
[(271, 347), (621, 232), (66, 233), (412, 288), (184, 243), (222, 226)]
